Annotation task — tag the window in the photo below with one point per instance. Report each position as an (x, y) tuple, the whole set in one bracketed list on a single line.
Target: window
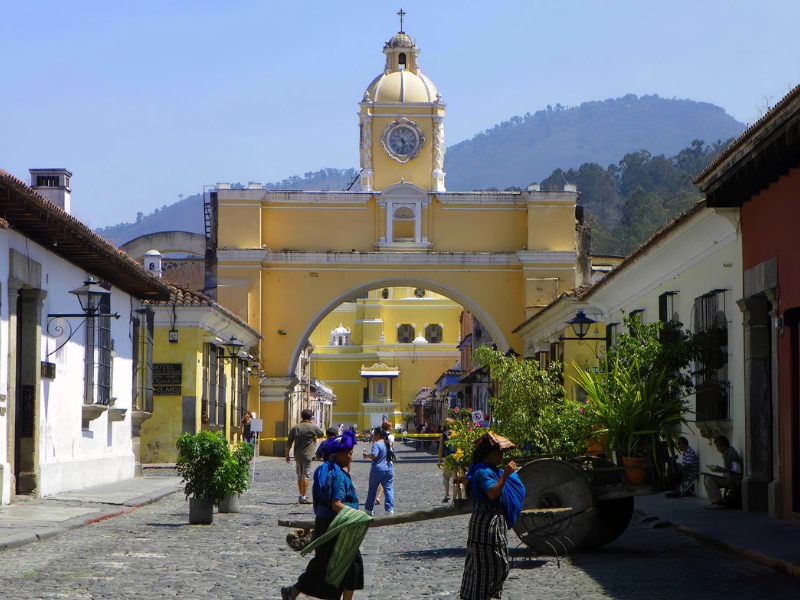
[(238, 392), (143, 361), (97, 357), (419, 293), (210, 387), (385, 293), (405, 334), (47, 181), (433, 333), (711, 371), (222, 387), (666, 307), (611, 334), (401, 61)]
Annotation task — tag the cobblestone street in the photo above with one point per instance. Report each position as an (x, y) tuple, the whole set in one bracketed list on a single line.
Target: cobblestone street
[(153, 553)]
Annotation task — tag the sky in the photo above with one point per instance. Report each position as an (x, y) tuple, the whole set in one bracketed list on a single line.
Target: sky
[(144, 101)]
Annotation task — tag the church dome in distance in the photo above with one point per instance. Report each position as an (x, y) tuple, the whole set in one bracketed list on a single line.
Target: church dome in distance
[(401, 40), (401, 80)]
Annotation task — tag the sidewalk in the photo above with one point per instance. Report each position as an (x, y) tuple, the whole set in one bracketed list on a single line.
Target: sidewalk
[(756, 536), (31, 519)]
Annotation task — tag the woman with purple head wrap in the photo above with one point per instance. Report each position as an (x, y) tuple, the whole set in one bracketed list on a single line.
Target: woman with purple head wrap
[(332, 491)]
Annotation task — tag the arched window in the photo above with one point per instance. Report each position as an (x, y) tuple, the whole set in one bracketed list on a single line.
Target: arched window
[(401, 60), (433, 333), (404, 213), (405, 334), (385, 293), (419, 293)]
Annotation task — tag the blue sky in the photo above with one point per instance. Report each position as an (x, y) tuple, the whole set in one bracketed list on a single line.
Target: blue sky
[(150, 99)]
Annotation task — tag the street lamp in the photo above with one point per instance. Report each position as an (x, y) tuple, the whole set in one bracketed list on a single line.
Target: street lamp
[(90, 296), (234, 347), (580, 325)]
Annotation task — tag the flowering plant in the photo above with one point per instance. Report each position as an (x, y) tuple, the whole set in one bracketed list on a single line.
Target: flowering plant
[(463, 435)]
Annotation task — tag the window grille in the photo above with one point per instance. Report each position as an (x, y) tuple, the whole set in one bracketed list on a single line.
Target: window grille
[(47, 181), (611, 334), (97, 356), (210, 387), (433, 333), (222, 388), (711, 370), (405, 334), (666, 307), (143, 361)]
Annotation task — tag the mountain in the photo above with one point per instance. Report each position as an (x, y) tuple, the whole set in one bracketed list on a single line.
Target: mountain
[(516, 152), (187, 214), (526, 149)]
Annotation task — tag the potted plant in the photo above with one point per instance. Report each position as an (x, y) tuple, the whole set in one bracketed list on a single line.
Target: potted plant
[(635, 409), (201, 462), (236, 477)]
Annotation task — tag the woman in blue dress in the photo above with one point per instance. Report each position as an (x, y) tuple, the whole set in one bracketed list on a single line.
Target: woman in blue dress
[(497, 496), (332, 491), (381, 472)]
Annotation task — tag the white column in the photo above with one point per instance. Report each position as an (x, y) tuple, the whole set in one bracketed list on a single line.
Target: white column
[(389, 217), (418, 223)]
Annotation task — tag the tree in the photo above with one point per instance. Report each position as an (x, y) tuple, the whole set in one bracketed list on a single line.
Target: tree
[(530, 407)]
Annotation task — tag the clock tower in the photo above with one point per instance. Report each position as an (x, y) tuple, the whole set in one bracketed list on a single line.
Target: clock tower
[(401, 120)]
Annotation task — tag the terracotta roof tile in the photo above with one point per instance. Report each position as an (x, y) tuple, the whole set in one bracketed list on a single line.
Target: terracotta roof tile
[(53, 223), (748, 133), (184, 297)]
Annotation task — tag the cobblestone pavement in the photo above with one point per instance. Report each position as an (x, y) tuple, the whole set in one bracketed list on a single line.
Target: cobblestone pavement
[(153, 553)]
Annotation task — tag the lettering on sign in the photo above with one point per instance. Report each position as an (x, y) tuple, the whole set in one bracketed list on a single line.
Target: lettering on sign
[(167, 379)]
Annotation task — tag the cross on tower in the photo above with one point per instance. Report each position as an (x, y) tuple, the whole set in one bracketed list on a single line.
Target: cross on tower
[(401, 14)]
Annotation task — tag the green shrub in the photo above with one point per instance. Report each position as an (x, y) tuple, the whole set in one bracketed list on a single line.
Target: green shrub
[(201, 464)]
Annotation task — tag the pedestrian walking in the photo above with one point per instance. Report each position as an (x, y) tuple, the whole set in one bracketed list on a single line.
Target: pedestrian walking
[(304, 438), (497, 496), (333, 492), (449, 473), (245, 429), (381, 472), (322, 449), (387, 427)]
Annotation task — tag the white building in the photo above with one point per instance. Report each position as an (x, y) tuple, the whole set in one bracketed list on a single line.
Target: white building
[(73, 391), (691, 272)]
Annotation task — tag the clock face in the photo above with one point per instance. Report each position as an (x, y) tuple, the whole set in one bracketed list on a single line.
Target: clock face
[(403, 140)]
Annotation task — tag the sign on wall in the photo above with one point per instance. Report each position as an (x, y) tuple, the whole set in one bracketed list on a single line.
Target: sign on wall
[(167, 379)]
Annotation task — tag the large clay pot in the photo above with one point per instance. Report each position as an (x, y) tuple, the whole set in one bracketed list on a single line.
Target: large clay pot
[(201, 512), (636, 473), (230, 504)]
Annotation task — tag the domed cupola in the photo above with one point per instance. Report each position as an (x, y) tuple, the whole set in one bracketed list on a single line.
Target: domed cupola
[(401, 121)]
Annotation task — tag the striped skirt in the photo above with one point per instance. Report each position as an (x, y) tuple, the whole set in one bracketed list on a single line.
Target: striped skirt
[(486, 568)]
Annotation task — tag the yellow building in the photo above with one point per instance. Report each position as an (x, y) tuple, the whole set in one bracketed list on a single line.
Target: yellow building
[(377, 351), (285, 259), (200, 379)]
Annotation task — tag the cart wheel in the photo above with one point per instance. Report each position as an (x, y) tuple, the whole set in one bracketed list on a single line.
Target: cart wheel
[(553, 483), (614, 516)]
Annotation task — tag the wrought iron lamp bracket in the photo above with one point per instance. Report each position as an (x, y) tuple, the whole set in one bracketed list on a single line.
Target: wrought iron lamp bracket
[(57, 322)]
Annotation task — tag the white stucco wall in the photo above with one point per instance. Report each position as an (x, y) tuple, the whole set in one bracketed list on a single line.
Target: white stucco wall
[(5, 476), (71, 457), (701, 255)]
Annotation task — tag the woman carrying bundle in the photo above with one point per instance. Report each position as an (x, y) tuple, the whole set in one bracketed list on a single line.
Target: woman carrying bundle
[(381, 472), (497, 496), (333, 492)]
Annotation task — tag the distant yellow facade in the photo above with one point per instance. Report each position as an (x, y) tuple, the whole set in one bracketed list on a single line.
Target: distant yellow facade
[(379, 350), (196, 384), (286, 259)]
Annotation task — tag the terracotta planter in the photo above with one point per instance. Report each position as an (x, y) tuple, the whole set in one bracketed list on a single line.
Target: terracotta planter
[(230, 504), (636, 473), (201, 512)]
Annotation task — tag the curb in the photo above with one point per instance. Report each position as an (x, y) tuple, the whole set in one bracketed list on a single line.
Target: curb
[(48, 532), (777, 564)]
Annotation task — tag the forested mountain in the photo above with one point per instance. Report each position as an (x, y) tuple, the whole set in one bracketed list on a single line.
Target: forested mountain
[(187, 213), (532, 147), (525, 149), (629, 201)]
